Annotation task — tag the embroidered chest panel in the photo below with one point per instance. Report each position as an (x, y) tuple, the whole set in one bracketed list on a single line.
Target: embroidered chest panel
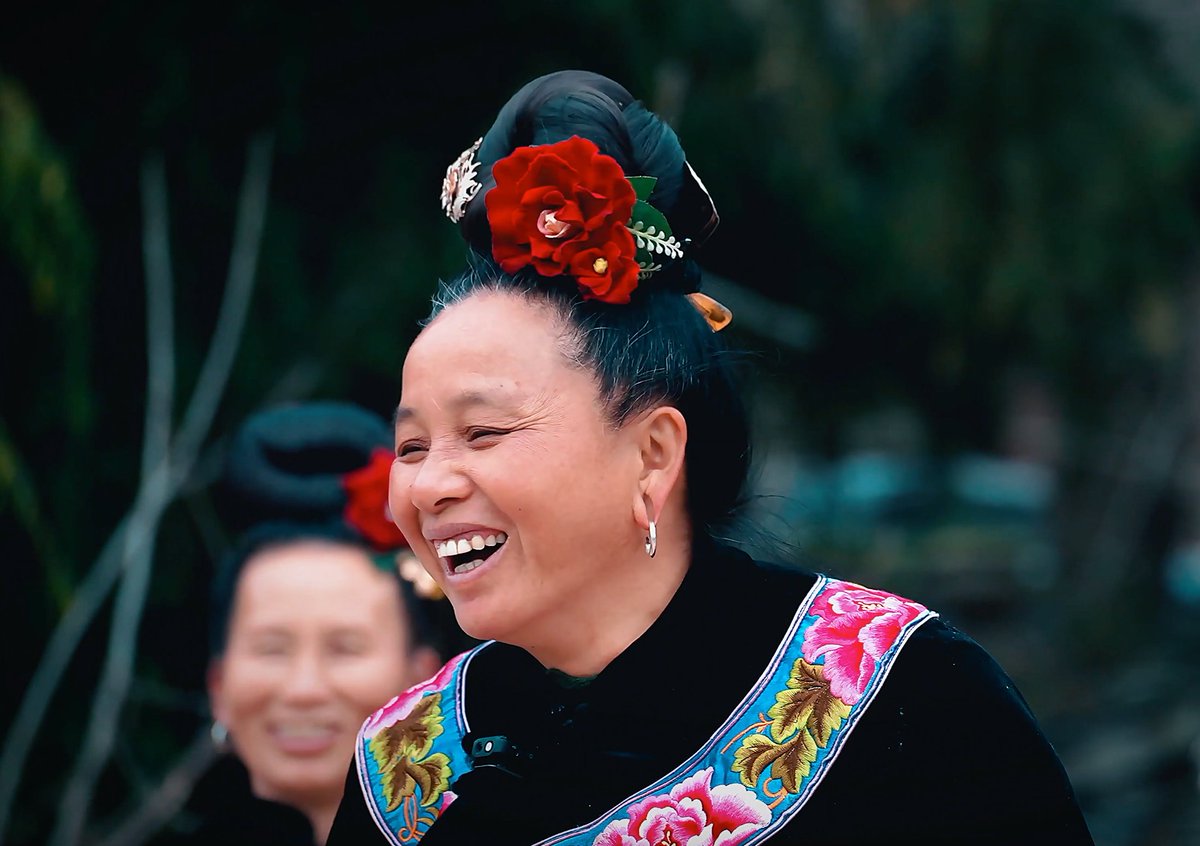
[(752, 775)]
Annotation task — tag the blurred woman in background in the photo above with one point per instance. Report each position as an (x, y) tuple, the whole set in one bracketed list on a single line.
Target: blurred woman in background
[(314, 622)]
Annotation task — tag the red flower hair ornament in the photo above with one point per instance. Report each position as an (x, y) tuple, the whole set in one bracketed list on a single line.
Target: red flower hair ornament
[(563, 208), (367, 502), (568, 209)]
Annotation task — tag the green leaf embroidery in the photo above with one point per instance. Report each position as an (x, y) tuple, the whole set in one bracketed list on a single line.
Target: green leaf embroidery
[(402, 753), (804, 717), (807, 703)]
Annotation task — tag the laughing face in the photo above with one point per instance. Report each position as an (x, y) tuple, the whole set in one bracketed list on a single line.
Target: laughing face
[(317, 640), (512, 485)]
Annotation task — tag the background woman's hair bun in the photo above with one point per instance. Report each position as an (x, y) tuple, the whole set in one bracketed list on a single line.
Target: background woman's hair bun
[(289, 463), (568, 103)]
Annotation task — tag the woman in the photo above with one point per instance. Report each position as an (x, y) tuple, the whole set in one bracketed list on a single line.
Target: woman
[(569, 441), (312, 628)]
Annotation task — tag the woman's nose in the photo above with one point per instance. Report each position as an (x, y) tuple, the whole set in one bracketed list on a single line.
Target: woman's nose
[(306, 681), (438, 482)]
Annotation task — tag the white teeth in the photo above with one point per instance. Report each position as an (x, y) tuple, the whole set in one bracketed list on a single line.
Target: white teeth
[(304, 732), (468, 567), (449, 548)]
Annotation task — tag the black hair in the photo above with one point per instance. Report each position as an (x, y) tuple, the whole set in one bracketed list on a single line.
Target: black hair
[(283, 483), (559, 105), (657, 348)]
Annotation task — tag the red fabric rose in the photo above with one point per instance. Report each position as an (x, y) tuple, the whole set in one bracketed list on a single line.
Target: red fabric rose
[(366, 502), (563, 208)]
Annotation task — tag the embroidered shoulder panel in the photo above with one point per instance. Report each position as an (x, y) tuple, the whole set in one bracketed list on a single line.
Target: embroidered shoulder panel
[(754, 773), (759, 768), (410, 751)]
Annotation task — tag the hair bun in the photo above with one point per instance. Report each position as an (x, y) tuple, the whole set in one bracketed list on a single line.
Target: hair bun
[(288, 463), (558, 106)]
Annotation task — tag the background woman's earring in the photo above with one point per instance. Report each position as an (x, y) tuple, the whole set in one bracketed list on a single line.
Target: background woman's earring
[(220, 736), (652, 540)]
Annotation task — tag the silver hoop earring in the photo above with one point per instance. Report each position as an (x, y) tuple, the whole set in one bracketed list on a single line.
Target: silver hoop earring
[(220, 736), (652, 540)]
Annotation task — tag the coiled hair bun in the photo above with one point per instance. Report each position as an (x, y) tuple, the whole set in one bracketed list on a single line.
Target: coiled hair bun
[(289, 463), (568, 103)]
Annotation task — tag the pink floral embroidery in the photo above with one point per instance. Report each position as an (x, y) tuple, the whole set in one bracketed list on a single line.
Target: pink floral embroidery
[(693, 814), (855, 627), (399, 707), (447, 797)]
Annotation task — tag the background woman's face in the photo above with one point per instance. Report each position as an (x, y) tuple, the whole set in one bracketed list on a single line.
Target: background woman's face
[(317, 641), (498, 435)]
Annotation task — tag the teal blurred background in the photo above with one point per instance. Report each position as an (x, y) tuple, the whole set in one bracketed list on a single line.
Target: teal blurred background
[(960, 238)]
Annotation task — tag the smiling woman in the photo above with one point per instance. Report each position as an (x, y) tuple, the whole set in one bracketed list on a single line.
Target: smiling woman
[(313, 627), (569, 444)]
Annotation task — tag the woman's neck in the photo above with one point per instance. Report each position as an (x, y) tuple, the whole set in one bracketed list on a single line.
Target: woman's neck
[(586, 635), (320, 811), (321, 819)]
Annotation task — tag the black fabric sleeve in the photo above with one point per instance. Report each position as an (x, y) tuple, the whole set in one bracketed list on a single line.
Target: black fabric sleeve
[(224, 810), (948, 753), (353, 825)]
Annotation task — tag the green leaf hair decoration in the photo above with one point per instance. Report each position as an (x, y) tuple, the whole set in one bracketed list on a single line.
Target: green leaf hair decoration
[(651, 232), (643, 186)]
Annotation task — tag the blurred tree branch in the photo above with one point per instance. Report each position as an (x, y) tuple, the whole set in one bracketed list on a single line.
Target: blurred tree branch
[(128, 555), (88, 599), (167, 470), (160, 325), (165, 801)]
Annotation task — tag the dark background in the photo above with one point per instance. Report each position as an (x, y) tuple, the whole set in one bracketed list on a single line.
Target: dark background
[(959, 237)]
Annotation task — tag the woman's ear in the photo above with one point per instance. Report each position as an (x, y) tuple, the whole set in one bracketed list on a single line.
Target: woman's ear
[(215, 682), (662, 443)]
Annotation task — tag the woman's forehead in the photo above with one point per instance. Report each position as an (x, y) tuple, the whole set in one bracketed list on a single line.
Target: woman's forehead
[(494, 318), (489, 345), (283, 580)]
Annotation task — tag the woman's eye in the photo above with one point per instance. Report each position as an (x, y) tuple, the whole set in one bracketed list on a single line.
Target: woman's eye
[(478, 434), (348, 646), (409, 448), (269, 649)]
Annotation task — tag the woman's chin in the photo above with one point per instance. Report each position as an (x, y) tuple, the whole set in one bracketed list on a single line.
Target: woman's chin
[(483, 623), (310, 782)]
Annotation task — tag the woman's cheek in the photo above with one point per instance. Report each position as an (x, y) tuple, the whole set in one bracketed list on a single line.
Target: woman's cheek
[(399, 501), (365, 683)]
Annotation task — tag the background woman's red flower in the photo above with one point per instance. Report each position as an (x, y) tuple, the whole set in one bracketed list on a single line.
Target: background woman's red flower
[(366, 502)]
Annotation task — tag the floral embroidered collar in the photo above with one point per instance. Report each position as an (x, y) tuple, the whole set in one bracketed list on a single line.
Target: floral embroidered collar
[(755, 771)]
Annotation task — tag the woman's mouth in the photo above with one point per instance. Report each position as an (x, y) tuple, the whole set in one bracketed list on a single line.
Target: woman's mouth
[(462, 555), (304, 739)]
